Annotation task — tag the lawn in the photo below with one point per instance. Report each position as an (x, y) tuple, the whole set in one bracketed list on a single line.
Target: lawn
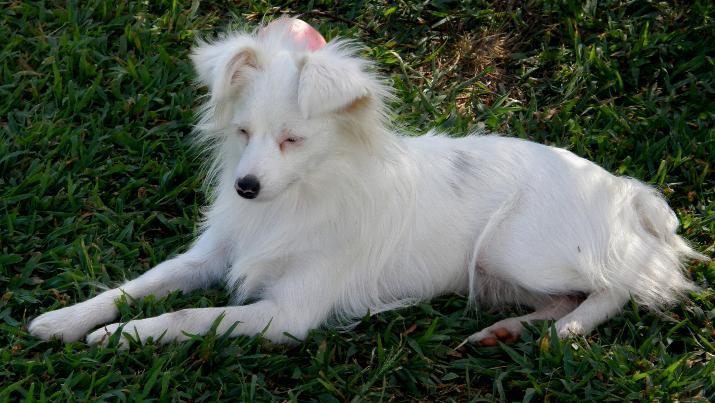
[(99, 182)]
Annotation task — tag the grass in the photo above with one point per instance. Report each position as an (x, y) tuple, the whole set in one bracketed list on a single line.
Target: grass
[(98, 183)]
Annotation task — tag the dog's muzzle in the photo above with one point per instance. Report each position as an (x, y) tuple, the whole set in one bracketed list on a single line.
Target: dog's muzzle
[(248, 186)]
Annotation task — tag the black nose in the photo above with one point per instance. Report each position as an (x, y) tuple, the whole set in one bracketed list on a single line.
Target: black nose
[(248, 186)]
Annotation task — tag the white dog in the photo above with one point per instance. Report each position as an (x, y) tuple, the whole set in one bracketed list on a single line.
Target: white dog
[(319, 211)]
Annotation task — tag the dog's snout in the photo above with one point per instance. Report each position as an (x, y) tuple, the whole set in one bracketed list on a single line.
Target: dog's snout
[(248, 186)]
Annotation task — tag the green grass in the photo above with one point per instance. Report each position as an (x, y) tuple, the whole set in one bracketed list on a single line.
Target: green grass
[(98, 182)]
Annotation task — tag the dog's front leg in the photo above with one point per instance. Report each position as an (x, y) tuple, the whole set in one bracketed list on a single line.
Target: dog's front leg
[(297, 303), (202, 265), (176, 326)]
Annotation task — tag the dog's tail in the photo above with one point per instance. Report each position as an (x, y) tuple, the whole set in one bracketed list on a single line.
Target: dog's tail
[(649, 257), (499, 215), (660, 220)]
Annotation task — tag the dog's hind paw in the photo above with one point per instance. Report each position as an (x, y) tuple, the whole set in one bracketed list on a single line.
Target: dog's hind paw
[(570, 328), (507, 331)]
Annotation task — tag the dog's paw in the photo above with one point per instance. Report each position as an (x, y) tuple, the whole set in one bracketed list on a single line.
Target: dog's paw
[(507, 331), (67, 324), (569, 328)]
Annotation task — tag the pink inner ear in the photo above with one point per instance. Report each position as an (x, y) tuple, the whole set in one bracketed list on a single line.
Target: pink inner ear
[(301, 32)]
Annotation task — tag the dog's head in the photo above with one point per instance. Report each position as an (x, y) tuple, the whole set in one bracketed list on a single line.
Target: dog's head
[(281, 102)]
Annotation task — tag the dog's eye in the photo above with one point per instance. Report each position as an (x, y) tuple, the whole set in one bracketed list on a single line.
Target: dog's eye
[(290, 141), (242, 132)]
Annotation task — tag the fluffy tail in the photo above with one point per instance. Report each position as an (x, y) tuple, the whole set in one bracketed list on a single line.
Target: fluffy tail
[(660, 220), (652, 255)]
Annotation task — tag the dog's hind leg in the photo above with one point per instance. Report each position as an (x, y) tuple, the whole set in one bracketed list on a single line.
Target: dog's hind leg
[(508, 330), (594, 310), (200, 266)]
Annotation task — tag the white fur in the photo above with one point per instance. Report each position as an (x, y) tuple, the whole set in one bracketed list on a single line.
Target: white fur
[(354, 218)]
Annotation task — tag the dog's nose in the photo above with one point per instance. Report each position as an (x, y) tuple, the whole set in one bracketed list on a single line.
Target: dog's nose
[(248, 186)]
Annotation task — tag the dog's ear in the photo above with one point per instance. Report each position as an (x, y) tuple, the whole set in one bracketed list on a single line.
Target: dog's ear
[(331, 82), (238, 70), (225, 66)]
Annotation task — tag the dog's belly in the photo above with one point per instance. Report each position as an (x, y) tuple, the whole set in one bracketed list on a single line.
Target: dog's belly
[(428, 270)]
